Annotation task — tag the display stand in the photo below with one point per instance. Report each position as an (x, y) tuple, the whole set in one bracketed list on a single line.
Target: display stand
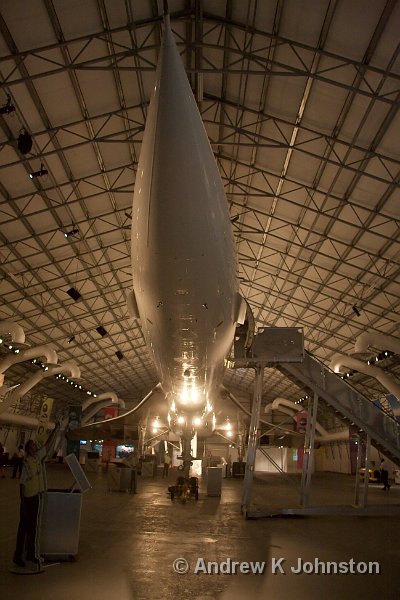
[(61, 518)]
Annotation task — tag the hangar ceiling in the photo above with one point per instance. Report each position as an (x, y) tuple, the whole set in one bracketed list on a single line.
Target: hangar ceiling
[(300, 103)]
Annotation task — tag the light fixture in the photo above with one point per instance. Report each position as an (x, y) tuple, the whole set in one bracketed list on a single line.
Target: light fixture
[(71, 339), (356, 311), (41, 173), (8, 107), (181, 420), (119, 355), (71, 232), (100, 329)]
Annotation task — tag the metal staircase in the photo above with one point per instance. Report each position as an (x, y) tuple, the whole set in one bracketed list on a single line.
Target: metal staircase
[(379, 424)]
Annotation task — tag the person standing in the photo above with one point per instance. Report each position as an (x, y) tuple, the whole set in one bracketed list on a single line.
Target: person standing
[(32, 488), (18, 462), (384, 475), (167, 463)]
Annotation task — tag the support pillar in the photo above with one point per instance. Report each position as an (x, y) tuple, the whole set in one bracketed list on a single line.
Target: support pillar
[(308, 460), (252, 445), (358, 467), (366, 477)]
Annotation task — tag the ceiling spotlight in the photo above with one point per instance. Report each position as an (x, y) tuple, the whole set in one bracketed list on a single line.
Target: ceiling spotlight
[(41, 173), (356, 311), (71, 339), (100, 329), (119, 355), (72, 232), (8, 107)]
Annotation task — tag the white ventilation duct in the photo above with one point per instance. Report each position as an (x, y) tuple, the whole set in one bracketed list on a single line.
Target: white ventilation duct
[(13, 329), (112, 395), (287, 406), (46, 352), (386, 379), (93, 411), (22, 421), (68, 368), (376, 340)]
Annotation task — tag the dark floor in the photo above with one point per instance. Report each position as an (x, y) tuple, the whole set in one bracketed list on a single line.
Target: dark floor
[(128, 544)]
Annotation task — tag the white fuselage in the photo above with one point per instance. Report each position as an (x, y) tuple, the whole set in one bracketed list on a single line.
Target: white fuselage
[(183, 254)]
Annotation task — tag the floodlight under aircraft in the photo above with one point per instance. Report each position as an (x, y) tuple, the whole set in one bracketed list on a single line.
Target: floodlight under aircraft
[(185, 286)]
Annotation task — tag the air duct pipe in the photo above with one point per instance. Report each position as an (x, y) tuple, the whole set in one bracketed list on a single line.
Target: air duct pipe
[(386, 379), (13, 329), (69, 369), (86, 417), (276, 404), (376, 340), (323, 436), (112, 395), (21, 420), (45, 352)]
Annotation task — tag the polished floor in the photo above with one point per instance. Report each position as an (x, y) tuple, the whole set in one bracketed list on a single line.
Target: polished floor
[(128, 544)]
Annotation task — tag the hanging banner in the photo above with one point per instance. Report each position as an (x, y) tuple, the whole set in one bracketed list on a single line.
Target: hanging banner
[(74, 421), (41, 434), (110, 412)]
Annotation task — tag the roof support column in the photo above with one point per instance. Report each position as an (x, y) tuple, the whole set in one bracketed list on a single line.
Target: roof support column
[(308, 460), (252, 444)]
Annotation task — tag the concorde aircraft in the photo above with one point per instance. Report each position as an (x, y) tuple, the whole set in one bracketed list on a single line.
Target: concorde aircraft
[(185, 286)]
